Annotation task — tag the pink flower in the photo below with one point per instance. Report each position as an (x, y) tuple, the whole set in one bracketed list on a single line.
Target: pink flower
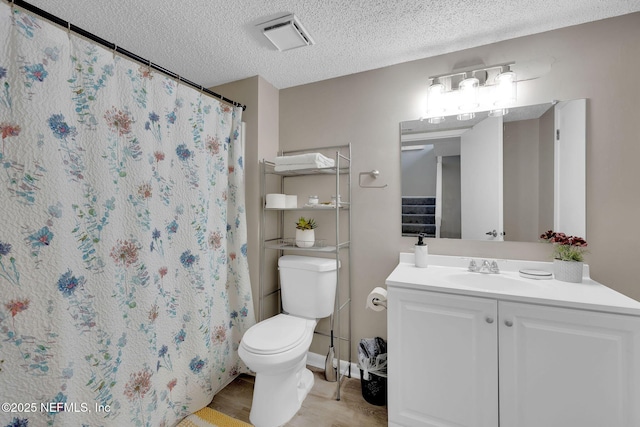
[(562, 239), (153, 313), (16, 306), (566, 248), (139, 384), (125, 253), (172, 384), (118, 120), (9, 129), (215, 240), (159, 155), (145, 191), (162, 271), (213, 145), (145, 72), (219, 334)]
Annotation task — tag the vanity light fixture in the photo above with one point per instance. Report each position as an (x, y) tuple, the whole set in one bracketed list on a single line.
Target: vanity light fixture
[(469, 91)]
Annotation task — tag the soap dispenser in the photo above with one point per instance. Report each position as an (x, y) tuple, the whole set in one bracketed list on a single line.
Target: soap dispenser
[(422, 252)]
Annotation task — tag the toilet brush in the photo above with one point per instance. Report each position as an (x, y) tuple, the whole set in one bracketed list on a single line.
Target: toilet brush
[(330, 373)]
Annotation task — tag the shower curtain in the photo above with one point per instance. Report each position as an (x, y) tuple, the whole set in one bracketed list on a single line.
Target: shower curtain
[(124, 284)]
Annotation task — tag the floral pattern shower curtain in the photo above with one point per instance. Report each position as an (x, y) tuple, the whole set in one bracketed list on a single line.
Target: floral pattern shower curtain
[(124, 285)]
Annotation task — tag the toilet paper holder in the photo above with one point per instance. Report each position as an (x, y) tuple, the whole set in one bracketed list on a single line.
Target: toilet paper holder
[(379, 302), (377, 299)]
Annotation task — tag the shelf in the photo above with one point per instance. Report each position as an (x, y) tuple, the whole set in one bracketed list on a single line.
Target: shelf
[(301, 172), (340, 249), (286, 246), (344, 206)]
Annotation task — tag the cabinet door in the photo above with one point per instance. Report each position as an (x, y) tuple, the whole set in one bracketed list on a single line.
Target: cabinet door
[(442, 360), (568, 368)]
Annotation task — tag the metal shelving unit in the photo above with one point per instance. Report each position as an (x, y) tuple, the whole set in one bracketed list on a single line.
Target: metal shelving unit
[(341, 247)]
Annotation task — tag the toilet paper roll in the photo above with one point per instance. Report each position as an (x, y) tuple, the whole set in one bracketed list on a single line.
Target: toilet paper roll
[(291, 201), (377, 299), (276, 201)]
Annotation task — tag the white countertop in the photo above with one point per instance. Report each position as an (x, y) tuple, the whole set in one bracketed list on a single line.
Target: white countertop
[(589, 294)]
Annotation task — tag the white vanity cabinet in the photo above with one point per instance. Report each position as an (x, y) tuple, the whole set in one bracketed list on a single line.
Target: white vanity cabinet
[(442, 359), (463, 359), (563, 367)]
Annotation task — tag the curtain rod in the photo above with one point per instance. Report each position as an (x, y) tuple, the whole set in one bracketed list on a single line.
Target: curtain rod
[(112, 46)]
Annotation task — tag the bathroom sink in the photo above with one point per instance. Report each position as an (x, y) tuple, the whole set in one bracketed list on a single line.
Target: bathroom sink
[(489, 282)]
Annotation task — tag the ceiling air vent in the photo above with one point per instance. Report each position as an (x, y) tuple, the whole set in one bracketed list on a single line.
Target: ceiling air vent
[(286, 33)]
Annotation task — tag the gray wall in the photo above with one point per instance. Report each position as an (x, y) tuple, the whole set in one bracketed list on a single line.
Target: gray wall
[(521, 195), (451, 225), (594, 61), (419, 172)]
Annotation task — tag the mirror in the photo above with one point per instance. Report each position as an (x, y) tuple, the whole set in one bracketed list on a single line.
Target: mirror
[(506, 178)]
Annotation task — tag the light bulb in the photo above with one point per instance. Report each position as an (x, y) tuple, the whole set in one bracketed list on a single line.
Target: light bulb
[(466, 116), (505, 89), (435, 100), (469, 93), (498, 112)]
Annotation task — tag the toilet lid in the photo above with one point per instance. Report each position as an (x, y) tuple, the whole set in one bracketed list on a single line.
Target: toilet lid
[(275, 334)]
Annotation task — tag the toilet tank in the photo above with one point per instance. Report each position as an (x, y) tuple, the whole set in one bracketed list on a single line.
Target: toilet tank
[(308, 285)]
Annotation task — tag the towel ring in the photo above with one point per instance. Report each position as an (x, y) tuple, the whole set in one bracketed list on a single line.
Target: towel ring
[(374, 174)]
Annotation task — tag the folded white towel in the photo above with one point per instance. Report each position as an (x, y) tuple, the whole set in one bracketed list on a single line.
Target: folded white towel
[(283, 168), (311, 159)]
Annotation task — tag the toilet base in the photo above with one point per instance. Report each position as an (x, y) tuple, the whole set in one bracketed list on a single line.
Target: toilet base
[(277, 398)]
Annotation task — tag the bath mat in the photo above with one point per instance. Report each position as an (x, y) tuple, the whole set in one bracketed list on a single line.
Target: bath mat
[(207, 417)]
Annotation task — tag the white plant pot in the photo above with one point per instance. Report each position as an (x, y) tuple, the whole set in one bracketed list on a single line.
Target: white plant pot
[(305, 238), (568, 271)]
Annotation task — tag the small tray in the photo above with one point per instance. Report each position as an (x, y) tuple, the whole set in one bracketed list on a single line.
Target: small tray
[(536, 274)]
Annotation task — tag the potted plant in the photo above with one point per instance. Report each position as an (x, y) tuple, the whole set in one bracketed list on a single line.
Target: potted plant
[(305, 234), (568, 255)]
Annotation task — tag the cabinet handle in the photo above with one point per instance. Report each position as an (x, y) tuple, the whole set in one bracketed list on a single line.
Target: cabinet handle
[(508, 323), (489, 319)]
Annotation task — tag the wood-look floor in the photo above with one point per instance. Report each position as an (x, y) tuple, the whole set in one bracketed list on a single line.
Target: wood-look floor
[(319, 409)]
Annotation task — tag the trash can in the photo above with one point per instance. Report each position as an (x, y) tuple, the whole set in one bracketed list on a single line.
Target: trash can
[(372, 361)]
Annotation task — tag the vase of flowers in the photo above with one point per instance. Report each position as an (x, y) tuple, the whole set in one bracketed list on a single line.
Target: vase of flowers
[(568, 256), (305, 232)]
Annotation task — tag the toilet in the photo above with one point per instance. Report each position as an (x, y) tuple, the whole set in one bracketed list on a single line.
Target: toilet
[(276, 348)]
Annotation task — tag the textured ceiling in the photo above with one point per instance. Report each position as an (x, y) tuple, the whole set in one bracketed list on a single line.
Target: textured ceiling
[(211, 42)]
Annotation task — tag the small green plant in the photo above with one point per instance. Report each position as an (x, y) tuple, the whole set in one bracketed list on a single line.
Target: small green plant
[(566, 248), (306, 223)]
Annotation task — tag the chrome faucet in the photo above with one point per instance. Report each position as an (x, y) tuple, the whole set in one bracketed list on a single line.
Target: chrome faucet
[(494, 267), (485, 267)]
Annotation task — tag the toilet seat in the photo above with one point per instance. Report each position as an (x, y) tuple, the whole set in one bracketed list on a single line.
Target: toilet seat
[(277, 334)]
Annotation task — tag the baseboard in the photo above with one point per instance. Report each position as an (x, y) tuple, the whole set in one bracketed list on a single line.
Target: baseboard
[(317, 361)]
